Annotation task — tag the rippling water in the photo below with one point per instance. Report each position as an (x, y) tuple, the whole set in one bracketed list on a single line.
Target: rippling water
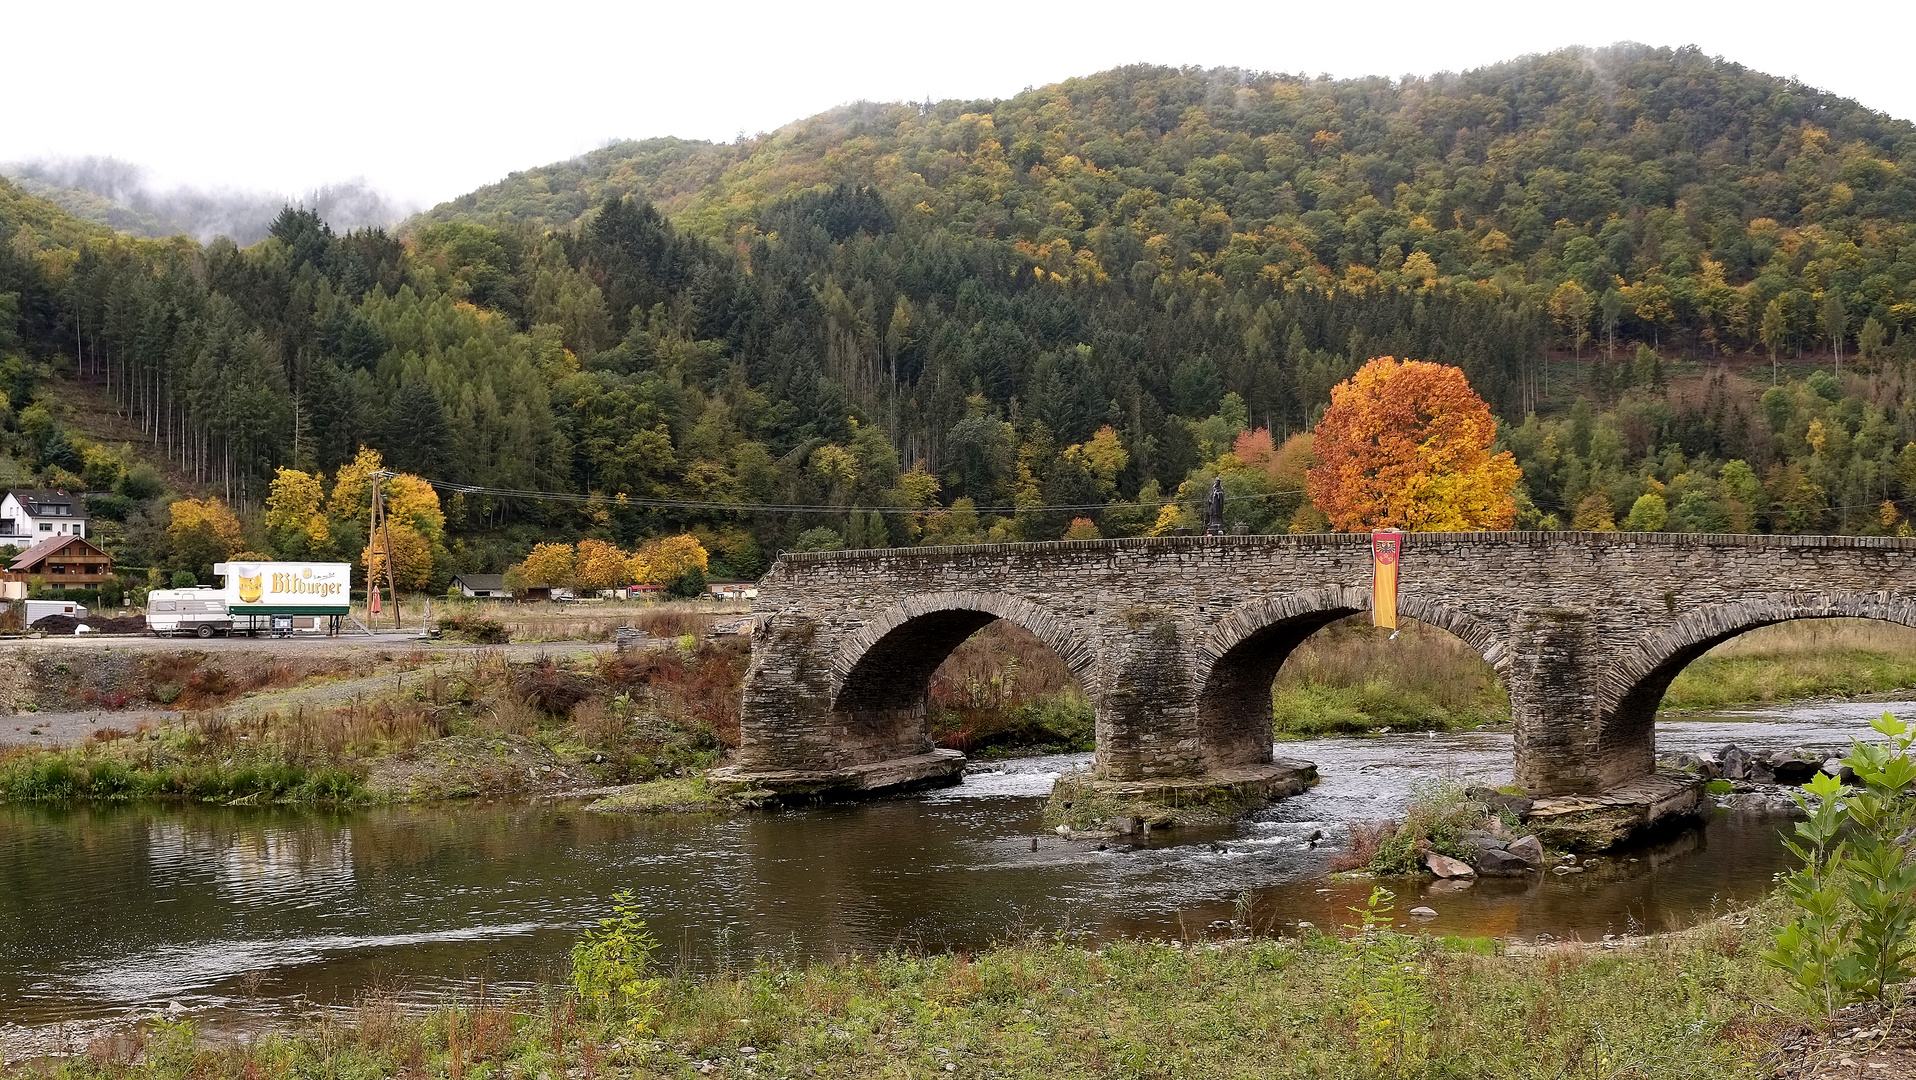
[(108, 909)]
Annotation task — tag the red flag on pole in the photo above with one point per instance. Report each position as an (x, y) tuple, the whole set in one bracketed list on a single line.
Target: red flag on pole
[(372, 606)]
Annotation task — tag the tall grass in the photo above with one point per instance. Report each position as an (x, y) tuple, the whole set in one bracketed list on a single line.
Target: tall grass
[(617, 719), (1352, 677), (597, 620), (1802, 659), (1004, 687), (1687, 1007)]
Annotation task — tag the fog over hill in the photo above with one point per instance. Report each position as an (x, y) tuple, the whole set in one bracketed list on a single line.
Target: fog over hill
[(121, 195)]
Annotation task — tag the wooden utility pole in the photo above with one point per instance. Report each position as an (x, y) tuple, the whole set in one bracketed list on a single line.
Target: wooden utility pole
[(381, 536)]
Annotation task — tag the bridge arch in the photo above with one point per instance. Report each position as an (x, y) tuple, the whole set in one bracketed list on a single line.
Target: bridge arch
[(1240, 659), (888, 662), (1632, 688)]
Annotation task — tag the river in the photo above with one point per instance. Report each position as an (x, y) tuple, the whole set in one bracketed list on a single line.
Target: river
[(244, 912)]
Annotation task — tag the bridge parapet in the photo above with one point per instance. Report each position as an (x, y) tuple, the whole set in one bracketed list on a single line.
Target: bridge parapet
[(1177, 639)]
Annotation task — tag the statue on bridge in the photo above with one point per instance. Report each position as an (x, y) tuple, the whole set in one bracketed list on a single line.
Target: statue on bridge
[(1214, 510)]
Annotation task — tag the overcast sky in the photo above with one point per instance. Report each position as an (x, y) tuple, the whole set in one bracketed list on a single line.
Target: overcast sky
[(426, 101)]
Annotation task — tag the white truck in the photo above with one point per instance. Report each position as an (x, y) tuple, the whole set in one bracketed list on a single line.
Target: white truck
[(40, 609), (198, 611)]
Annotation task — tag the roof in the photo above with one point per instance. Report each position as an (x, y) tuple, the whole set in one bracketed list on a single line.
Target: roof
[(30, 500), (476, 582), (26, 559)]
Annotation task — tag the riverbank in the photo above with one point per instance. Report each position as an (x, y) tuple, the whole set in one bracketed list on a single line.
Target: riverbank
[(477, 723), (1388, 1003)]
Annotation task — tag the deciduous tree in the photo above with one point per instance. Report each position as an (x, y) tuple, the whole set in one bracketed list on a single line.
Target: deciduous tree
[(294, 514), (599, 565), (202, 532), (548, 566), (1406, 444)]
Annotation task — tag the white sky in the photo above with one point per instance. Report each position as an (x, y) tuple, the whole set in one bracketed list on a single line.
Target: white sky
[(429, 100)]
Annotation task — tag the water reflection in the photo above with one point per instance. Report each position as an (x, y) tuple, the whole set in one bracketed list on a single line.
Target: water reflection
[(110, 908)]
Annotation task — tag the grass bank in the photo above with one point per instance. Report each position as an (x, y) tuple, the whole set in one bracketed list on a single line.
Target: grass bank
[(1352, 678), (1799, 660), (1386, 1003), (479, 726)]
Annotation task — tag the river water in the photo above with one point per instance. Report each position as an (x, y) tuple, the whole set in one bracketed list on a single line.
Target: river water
[(241, 912)]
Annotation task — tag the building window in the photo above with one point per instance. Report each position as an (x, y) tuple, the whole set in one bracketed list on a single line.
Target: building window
[(46, 526)]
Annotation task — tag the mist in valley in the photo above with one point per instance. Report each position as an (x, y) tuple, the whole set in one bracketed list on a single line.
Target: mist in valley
[(121, 194)]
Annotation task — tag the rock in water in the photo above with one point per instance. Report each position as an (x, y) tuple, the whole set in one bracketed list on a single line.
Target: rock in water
[(1529, 849), (1446, 867), (1423, 913), (1735, 763), (1794, 770), (1497, 862)]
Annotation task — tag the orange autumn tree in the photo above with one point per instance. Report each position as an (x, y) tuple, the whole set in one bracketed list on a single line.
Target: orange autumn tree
[(1406, 444)]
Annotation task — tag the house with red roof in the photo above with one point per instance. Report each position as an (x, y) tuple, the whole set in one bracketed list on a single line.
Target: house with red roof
[(61, 562)]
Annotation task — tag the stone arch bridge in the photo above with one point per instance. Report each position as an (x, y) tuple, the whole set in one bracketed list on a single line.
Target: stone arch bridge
[(1178, 639)]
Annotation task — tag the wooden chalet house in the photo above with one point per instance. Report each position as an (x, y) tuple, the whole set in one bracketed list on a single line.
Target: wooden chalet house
[(61, 562)]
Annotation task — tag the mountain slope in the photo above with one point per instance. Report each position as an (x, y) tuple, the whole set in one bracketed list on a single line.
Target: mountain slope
[(667, 171), (992, 319), (1491, 174)]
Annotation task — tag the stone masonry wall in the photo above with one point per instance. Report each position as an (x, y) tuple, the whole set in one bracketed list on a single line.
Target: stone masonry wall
[(1174, 637)]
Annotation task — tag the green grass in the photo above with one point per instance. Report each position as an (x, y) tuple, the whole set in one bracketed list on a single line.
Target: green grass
[(1313, 708), (71, 775), (1718, 681), (1813, 658), (1695, 1005), (678, 794)]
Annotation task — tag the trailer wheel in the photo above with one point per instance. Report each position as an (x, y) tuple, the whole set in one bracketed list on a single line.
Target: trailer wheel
[(206, 630)]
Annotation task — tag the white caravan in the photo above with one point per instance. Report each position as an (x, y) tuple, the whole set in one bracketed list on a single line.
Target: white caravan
[(187, 611)]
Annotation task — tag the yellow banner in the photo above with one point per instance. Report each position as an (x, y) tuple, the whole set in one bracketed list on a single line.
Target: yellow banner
[(1385, 547)]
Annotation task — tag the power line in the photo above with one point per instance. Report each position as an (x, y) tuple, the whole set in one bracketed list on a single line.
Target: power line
[(800, 508)]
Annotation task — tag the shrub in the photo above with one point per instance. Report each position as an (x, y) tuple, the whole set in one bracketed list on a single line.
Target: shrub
[(475, 628), (819, 539), (610, 964), (1851, 938), (1435, 820), (549, 688)]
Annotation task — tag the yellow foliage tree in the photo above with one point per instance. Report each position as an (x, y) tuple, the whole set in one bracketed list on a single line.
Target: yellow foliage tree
[(293, 507), (412, 500), (1103, 456), (548, 565), (599, 565), (202, 532), (412, 557), (664, 561), (1594, 514), (353, 486)]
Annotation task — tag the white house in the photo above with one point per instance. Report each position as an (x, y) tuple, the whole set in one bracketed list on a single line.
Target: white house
[(28, 517), (481, 585)]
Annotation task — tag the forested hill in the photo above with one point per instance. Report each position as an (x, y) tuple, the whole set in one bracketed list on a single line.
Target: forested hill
[(1098, 294)]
